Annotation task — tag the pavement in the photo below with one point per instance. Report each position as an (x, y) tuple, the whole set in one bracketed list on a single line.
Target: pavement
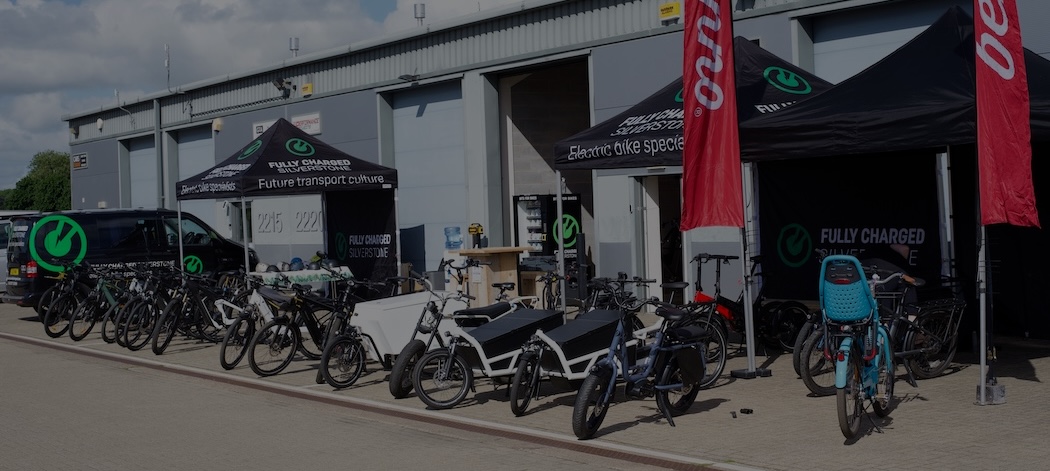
[(937, 425)]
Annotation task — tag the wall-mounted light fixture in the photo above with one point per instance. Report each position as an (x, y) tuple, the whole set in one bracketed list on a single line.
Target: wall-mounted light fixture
[(74, 131), (216, 124), (285, 86), (409, 77), (99, 123)]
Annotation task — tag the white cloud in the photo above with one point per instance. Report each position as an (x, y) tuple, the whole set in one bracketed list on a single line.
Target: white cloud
[(59, 57)]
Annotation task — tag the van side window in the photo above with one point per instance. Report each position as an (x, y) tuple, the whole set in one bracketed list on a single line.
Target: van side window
[(125, 233), (191, 233)]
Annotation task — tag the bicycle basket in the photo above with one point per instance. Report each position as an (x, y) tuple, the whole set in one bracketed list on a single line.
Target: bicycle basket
[(844, 292)]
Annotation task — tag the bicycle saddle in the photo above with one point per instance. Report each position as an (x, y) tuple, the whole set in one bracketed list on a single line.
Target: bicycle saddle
[(503, 286)]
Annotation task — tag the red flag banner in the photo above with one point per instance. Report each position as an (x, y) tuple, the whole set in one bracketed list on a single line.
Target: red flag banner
[(1004, 148), (711, 181)]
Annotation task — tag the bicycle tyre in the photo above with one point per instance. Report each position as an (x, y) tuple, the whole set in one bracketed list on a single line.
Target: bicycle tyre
[(849, 400), (45, 301), (273, 347), (138, 331), (83, 319), (56, 321), (343, 361), (931, 364), (165, 328), (108, 329), (400, 381), (525, 384), (788, 319), (675, 401), (235, 343), (591, 404), (121, 320), (817, 371), (310, 347), (800, 340), (715, 356), (438, 388), (883, 402)]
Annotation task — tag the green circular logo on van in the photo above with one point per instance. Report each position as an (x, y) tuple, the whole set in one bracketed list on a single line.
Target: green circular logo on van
[(193, 264), (56, 237), (299, 147)]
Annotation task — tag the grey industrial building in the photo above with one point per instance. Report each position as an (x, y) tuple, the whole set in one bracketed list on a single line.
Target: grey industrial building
[(468, 111)]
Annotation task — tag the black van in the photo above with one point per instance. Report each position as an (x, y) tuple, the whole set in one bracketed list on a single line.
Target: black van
[(40, 243)]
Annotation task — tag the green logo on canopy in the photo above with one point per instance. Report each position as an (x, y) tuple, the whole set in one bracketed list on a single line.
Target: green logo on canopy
[(193, 264), (341, 246), (59, 235), (299, 147), (794, 245), (678, 98), (566, 229), (250, 150), (787, 81)]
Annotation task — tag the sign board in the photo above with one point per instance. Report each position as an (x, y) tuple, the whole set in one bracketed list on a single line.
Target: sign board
[(288, 220), (310, 123), (79, 161)]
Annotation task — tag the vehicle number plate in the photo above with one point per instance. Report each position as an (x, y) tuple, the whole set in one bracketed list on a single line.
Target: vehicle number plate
[(13, 272)]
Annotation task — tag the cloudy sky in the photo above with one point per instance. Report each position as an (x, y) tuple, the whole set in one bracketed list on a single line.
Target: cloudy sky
[(64, 57)]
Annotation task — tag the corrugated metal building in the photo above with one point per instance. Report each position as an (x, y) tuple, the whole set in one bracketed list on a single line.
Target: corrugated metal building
[(468, 112)]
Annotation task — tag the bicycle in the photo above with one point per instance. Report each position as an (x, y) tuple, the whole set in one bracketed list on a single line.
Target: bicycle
[(344, 356), (99, 302), (68, 293), (274, 345), (571, 351), (672, 369), (429, 324), (777, 323), (858, 343)]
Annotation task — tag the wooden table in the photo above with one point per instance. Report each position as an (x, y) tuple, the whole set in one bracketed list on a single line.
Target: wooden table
[(500, 266)]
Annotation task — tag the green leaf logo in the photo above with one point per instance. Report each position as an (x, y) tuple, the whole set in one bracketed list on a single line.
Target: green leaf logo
[(787, 81)]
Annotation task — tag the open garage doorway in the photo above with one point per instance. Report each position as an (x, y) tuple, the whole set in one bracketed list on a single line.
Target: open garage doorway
[(658, 223)]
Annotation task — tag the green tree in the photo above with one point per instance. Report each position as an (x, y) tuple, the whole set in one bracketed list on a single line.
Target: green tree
[(46, 186), (5, 197)]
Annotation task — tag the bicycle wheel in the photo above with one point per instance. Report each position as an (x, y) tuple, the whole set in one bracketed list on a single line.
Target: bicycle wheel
[(343, 361), (591, 405), (442, 380), (56, 321), (207, 318), (525, 384), (788, 320), (45, 301), (138, 330), (817, 371), (796, 350), (235, 343), (715, 356), (676, 401), (313, 348), (937, 348), (883, 402), (273, 347), (109, 323), (164, 330), (850, 399), (83, 319), (401, 373)]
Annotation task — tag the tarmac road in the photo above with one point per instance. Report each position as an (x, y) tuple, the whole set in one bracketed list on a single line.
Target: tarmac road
[(165, 408)]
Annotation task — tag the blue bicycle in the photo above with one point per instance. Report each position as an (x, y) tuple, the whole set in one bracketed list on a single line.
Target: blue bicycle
[(859, 344), (671, 367)]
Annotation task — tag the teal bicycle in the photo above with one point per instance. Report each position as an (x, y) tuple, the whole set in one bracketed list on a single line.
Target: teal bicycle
[(858, 344)]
